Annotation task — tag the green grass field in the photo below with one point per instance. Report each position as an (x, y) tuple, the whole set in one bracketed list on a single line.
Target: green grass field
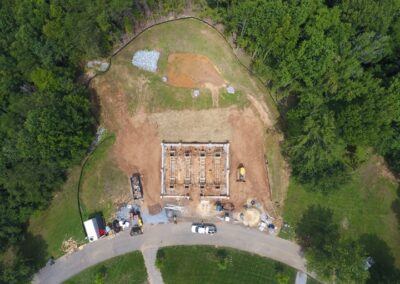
[(49, 228), (145, 89), (103, 183), (128, 268), (363, 207), (206, 264)]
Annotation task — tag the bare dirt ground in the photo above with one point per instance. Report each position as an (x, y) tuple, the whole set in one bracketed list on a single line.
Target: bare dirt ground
[(137, 146), (194, 126), (247, 147), (194, 71), (262, 110)]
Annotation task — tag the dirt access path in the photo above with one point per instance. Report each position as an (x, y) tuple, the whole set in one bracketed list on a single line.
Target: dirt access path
[(194, 71), (137, 146)]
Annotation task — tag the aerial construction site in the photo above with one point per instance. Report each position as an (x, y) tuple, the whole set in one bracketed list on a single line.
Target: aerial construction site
[(189, 169)]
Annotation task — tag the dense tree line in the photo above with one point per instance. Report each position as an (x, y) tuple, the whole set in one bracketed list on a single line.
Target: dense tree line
[(46, 123), (334, 66)]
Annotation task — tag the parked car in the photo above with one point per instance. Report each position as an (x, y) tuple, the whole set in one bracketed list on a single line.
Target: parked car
[(202, 228)]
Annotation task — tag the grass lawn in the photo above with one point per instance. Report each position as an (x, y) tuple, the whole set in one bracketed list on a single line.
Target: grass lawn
[(128, 268), (207, 264), (363, 208), (49, 228), (277, 170), (103, 184), (145, 89)]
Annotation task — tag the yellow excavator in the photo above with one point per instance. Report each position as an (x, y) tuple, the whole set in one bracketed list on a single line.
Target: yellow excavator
[(241, 173)]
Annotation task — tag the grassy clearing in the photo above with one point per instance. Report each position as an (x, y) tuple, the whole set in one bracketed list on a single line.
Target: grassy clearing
[(362, 207), (277, 170), (103, 183), (206, 264), (145, 89), (238, 99), (49, 228), (128, 268)]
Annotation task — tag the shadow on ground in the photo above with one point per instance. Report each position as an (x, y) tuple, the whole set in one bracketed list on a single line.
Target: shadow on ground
[(396, 207), (34, 249), (384, 269)]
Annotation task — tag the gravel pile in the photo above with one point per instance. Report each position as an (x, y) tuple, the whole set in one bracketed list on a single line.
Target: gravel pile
[(146, 60)]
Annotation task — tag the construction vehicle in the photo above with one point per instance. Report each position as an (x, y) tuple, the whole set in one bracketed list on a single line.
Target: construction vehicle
[(241, 173), (136, 222)]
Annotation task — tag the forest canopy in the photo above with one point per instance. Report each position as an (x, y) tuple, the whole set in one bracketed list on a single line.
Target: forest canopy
[(334, 69)]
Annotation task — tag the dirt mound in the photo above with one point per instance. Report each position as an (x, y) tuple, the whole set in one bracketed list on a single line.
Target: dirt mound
[(192, 71), (251, 217)]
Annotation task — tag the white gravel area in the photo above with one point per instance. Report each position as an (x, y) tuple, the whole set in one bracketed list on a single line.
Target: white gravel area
[(146, 60)]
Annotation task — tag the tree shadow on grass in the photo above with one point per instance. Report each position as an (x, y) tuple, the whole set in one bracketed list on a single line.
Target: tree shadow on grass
[(396, 207), (35, 250), (384, 269)]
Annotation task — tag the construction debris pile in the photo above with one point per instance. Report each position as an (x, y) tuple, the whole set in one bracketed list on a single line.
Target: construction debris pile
[(146, 60), (69, 246)]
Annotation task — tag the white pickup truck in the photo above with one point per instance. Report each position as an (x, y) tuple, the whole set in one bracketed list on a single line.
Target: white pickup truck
[(202, 228)]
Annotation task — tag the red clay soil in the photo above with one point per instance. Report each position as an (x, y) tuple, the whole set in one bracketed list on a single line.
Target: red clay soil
[(246, 146), (192, 71), (137, 146)]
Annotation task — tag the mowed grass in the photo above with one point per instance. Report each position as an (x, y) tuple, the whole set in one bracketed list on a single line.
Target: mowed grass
[(103, 184), (237, 99), (277, 170), (206, 264), (49, 228), (146, 89), (128, 268), (363, 207)]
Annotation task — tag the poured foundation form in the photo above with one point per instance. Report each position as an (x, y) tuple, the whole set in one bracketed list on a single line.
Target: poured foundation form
[(189, 169)]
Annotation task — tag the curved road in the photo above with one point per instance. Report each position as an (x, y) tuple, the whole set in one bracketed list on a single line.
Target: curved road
[(155, 236)]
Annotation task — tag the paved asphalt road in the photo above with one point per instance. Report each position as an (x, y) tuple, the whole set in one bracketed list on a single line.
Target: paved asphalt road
[(155, 236)]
